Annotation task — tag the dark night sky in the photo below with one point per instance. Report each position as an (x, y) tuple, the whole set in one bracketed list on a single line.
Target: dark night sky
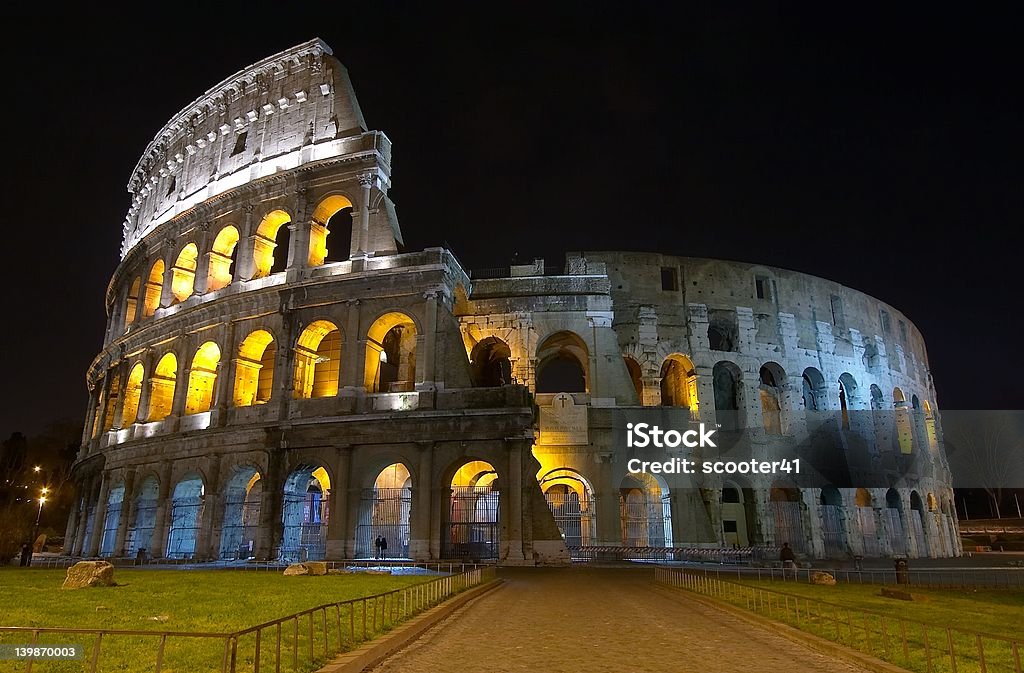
[(879, 150)]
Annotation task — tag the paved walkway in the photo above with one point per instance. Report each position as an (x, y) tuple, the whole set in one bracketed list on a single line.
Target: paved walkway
[(573, 620)]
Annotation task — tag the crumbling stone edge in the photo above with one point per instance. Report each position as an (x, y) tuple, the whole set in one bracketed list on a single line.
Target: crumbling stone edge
[(375, 651), (793, 634)]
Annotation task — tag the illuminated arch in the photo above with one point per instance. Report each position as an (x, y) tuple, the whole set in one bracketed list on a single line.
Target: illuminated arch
[(645, 511), (847, 397), (305, 513), (473, 516), (154, 286), (786, 506), (390, 354), (271, 234), (636, 377), (187, 503), (562, 362), (183, 273), (132, 395), (202, 378), (131, 307), (570, 498), (222, 259), (317, 361), (254, 370), (772, 379), (384, 512), (161, 391), (320, 247), (814, 394), (679, 383), (490, 364), (112, 519), (241, 520), (143, 516)]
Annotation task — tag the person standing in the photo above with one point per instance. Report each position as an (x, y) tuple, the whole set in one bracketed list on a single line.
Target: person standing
[(788, 559), (376, 547), (383, 547)]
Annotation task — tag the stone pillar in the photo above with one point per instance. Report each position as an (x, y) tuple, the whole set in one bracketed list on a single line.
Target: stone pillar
[(180, 391), (127, 512), (213, 508), (158, 540), (123, 373), (226, 372), (366, 181), (166, 290), (284, 374), (514, 500), (83, 518), (609, 514), (270, 506), (146, 396), (429, 342), (421, 526), (339, 533), (90, 415), (98, 519), (354, 352), (245, 265), (298, 242), (69, 531)]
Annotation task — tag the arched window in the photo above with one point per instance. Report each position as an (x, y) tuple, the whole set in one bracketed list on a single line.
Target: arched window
[(847, 396), (154, 286), (132, 394), (132, 302), (490, 363), (183, 273), (877, 402), (636, 376), (814, 390), (330, 236), (929, 426), (562, 364), (202, 378), (384, 512), (270, 248), (390, 365), (904, 427), (678, 382), (771, 377), (254, 372), (833, 528), (472, 521), (222, 259), (318, 361), (726, 378), (161, 393)]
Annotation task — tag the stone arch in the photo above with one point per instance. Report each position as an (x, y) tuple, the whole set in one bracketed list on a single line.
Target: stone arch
[(472, 521), (317, 361), (645, 511), (183, 273), (904, 425), (895, 524), (270, 243), (384, 512), (131, 304), (772, 378), (390, 365), (918, 531), (330, 238), (570, 497), (305, 513), (161, 387), (490, 363), (139, 538), (833, 525), (154, 287), (848, 396), (864, 509), (112, 519), (679, 383), (815, 396), (562, 364), (132, 394), (738, 513), (728, 388), (254, 370), (223, 258), (202, 378), (877, 400), (636, 376), (187, 501), (786, 506), (240, 523)]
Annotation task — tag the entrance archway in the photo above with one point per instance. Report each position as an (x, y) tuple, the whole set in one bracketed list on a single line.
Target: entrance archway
[(571, 501), (786, 505), (490, 364), (833, 528), (186, 516), (241, 514), (112, 520), (471, 528), (304, 514), (384, 512), (140, 530), (894, 522), (645, 511)]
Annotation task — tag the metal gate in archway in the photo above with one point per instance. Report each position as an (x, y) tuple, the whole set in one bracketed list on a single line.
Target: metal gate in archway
[(472, 525), (573, 515), (305, 529), (384, 512), (788, 519)]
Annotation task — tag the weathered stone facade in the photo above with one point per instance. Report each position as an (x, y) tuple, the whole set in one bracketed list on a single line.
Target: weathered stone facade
[(266, 392)]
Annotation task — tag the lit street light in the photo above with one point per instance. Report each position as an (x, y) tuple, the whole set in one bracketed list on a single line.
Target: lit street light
[(36, 468), (39, 514)]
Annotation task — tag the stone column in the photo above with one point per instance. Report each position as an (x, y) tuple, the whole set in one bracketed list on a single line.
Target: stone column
[(146, 396), (298, 244), (98, 519), (421, 526), (166, 290), (514, 553), (180, 390), (159, 538), (366, 181), (202, 279), (122, 388), (90, 415), (354, 352), (270, 505), (609, 515), (284, 360), (127, 511), (213, 507), (83, 518), (429, 341), (245, 265), (226, 371), (339, 533), (69, 531)]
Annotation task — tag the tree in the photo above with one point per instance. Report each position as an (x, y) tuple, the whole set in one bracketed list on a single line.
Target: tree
[(985, 450)]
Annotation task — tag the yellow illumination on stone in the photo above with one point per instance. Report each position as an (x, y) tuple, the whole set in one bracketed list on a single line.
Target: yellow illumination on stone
[(161, 394), (202, 379), (475, 474), (266, 241), (319, 232), (220, 274), (317, 361), (183, 273), (154, 284), (132, 303), (320, 474), (381, 371), (132, 393), (395, 475), (254, 372)]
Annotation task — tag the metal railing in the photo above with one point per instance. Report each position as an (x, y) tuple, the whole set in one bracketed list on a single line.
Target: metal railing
[(915, 645), (296, 643), (939, 578), (274, 566), (726, 555)]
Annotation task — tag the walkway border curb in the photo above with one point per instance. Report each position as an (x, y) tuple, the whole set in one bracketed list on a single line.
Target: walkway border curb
[(793, 634), (373, 652)]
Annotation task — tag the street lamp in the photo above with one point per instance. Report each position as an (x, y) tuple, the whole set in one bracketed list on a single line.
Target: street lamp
[(37, 469), (39, 514)]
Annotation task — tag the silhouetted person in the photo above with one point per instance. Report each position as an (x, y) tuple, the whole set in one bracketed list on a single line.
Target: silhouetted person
[(26, 555), (788, 559), (383, 547), (376, 547)]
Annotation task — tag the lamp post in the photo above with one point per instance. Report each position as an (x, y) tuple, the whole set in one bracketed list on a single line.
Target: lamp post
[(39, 514)]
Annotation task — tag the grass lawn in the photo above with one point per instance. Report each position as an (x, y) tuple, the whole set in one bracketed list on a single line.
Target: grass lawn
[(219, 601), (946, 621)]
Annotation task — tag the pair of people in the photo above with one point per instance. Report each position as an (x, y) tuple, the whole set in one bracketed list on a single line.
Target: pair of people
[(381, 545)]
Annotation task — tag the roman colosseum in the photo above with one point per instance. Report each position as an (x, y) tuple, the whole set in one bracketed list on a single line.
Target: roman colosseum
[(281, 379)]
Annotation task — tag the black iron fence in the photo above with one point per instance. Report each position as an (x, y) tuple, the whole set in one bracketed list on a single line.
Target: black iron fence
[(949, 578), (915, 645), (296, 643)]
